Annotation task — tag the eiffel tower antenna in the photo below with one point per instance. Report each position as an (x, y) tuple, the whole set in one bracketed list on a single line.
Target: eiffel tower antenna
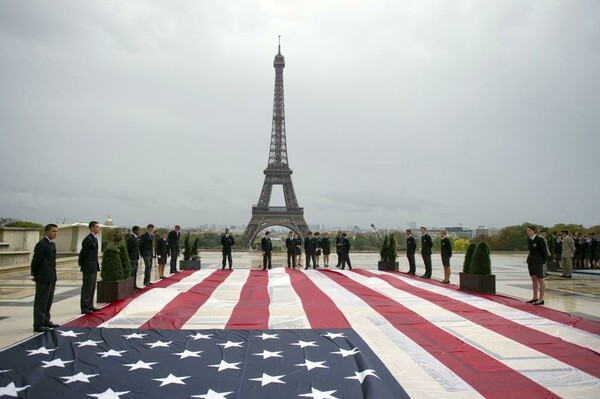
[(278, 172)]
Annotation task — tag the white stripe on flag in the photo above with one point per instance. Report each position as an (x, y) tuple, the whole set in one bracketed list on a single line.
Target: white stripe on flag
[(285, 307)]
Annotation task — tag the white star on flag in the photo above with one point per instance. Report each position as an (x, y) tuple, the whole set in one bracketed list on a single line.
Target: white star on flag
[(345, 352), (187, 353), (268, 336), (79, 377), (40, 351), (230, 344), (267, 354), (134, 335), (69, 333), (108, 394), (304, 344), (312, 365), (4, 371), (224, 365), (334, 335), (171, 379), (316, 394), (111, 352), (56, 363), (198, 336), (12, 390), (213, 395), (89, 342), (160, 344), (269, 379), (362, 375), (140, 365)]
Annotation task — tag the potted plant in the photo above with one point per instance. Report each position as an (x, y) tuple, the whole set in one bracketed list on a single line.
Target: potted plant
[(479, 278), (114, 285), (388, 254), (191, 259)]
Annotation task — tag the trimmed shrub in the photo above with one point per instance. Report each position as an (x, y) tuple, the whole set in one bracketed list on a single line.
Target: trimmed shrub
[(480, 262), (384, 248), (125, 262), (468, 257), (187, 248), (111, 265), (195, 249)]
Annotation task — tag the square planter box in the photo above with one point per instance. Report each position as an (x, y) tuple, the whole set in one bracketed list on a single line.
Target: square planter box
[(189, 265), (387, 265), (478, 283), (109, 291)]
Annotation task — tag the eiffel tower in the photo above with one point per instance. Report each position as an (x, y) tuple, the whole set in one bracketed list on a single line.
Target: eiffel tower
[(277, 172)]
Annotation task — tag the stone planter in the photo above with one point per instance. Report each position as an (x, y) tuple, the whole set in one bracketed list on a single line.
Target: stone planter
[(387, 265), (189, 264), (109, 291), (478, 283)]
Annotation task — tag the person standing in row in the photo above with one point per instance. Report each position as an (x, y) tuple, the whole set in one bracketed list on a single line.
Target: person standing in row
[(345, 252), (147, 251), (537, 257), (43, 271), (290, 245), (446, 246), (567, 252), (309, 251), (338, 248), (89, 266), (267, 249), (226, 242), (426, 246), (411, 247), (162, 251), (173, 240), (298, 244), (317, 241), (133, 248), (326, 246)]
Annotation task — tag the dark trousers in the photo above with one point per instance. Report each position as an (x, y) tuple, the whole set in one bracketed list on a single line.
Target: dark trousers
[(412, 266), (88, 289), (427, 261), (291, 261), (147, 269), (227, 257), (267, 259), (346, 259), (174, 253), (134, 268), (339, 262), (44, 295), (311, 256)]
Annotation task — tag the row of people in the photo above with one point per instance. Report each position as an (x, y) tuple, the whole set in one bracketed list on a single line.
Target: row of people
[(426, 250)]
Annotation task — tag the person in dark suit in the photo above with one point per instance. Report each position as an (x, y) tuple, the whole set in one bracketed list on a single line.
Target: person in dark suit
[(537, 257), (147, 253), (43, 270), (426, 246), (267, 249), (298, 244), (326, 246), (345, 252), (89, 266), (290, 245), (411, 247), (226, 242), (309, 251), (446, 246), (162, 251), (133, 248), (338, 248), (173, 240)]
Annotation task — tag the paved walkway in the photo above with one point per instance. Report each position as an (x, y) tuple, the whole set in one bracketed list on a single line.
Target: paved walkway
[(578, 296)]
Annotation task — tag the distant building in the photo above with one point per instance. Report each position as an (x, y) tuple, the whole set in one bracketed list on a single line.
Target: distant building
[(108, 222)]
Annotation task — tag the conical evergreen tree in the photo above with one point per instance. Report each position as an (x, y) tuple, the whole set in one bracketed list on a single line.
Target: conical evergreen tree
[(468, 257), (481, 263)]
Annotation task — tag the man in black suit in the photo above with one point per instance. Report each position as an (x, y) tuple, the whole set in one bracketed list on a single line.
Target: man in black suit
[(345, 252), (338, 248), (309, 251), (89, 266), (446, 247), (290, 245), (426, 246), (43, 270), (411, 247), (173, 240), (226, 242), (537, 257), (133, 248), (267, 249), (147, 252)]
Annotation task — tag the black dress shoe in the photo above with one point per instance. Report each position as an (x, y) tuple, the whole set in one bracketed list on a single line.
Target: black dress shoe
[(52, 325), (42, 329), (532, 300), (539, 303), (94, 309), (425, 276), (87, 311)]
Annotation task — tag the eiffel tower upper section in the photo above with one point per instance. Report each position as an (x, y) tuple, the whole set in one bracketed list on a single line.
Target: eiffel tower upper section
[(278, 157)]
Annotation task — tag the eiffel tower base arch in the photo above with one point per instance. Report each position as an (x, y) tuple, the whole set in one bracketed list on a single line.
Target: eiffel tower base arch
[(292, 218)]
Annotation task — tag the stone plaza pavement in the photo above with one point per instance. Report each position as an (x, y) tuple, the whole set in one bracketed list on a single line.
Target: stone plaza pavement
[(578, 296)]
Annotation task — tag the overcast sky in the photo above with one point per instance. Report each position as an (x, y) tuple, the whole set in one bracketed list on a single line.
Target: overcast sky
[(438, 112)]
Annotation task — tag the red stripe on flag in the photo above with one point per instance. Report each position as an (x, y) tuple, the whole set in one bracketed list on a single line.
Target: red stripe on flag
[(108, 312), (488, 376), (177, 312), (571, 354), (319, 308), (252, 310)]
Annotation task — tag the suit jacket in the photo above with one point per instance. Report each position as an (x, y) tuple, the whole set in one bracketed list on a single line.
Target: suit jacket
[(88, 256), (345, 245), (309, 245), (133, 248), (266, 244), (411, 245), (227, 241), (43, 263), (538, 253), (162, 247), (446, 247), (326, 243), (173, 239), (146, 245), (426, 244), (290, 244), (568, 247)]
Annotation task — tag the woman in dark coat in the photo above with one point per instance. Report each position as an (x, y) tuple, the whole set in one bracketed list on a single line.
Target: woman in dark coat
[(162, 250), (326, 246)]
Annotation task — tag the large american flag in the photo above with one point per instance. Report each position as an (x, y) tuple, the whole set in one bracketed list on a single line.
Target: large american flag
[(308, 334)]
